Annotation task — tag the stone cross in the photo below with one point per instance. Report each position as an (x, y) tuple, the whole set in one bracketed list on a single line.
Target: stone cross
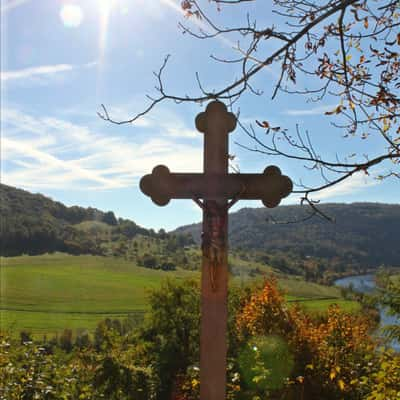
[(215, 191)]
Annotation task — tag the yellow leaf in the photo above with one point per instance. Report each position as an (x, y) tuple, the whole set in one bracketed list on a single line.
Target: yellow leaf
[(386, 127), (332, 375), (195, 382), (341, 384), (337, 110)]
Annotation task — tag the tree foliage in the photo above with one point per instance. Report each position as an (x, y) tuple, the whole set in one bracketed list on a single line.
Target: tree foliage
[(35, 224), (334, 356), (390, 298), (172, 331), (330, 357), (363, 236)]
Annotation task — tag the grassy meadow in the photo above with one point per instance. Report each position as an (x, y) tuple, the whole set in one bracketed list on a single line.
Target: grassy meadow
[(45, 294), (51, 292)]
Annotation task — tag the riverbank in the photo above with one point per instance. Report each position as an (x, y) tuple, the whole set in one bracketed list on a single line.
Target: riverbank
[(366, 284)]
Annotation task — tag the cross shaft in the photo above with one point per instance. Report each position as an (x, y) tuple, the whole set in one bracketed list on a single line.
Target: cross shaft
[(212, 190)]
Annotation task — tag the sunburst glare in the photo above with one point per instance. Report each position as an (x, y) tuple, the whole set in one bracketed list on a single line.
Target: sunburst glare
[(71, 15), (105, 9)]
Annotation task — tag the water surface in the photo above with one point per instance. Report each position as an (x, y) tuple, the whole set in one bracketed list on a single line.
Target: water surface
[(366, 284)]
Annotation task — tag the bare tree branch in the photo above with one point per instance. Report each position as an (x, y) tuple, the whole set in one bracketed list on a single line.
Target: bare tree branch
[(345, 50)]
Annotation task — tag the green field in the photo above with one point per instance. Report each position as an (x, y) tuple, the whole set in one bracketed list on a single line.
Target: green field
[(45, 294), (50, 292)]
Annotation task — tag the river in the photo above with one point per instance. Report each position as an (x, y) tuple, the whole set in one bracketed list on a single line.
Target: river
[(366, 284)]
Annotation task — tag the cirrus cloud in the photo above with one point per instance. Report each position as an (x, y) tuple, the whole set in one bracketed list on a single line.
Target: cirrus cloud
[(40, 71), (49, 152)]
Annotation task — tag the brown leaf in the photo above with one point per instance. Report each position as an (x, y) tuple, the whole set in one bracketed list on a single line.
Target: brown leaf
[(264, 124), (337, 110), (185, 4)]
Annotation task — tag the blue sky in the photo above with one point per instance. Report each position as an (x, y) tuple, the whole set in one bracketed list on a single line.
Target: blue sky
[(61, 59)]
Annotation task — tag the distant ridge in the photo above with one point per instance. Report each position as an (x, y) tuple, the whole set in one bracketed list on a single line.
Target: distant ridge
[(365, 235), (35, 224)]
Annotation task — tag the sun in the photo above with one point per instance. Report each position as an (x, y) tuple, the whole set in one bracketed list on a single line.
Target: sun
[(71, 15)]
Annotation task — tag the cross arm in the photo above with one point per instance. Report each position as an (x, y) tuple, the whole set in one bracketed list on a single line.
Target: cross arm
[(270, 186)]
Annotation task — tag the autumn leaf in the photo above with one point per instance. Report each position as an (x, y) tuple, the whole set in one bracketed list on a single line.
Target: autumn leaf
[(337, 110), (332, 375), (386, 126), (185, 4), (263, 124), (195, 382)]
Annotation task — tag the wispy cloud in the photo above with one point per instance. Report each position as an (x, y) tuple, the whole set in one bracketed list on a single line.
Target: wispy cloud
[(45, 161), (48, 152), (10, 4), (319, 110), (177, 129), (356, 183), (167, 122), (40, 71)]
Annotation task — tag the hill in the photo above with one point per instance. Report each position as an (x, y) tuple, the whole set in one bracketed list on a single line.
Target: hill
[(35, 224), (363, 236)]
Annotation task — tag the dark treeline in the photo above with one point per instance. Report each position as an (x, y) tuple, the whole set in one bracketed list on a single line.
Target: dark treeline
[(363, 235), (34, 224)]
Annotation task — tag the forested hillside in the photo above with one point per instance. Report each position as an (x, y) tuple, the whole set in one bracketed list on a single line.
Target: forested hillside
[(35, 224), (363, 235)]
